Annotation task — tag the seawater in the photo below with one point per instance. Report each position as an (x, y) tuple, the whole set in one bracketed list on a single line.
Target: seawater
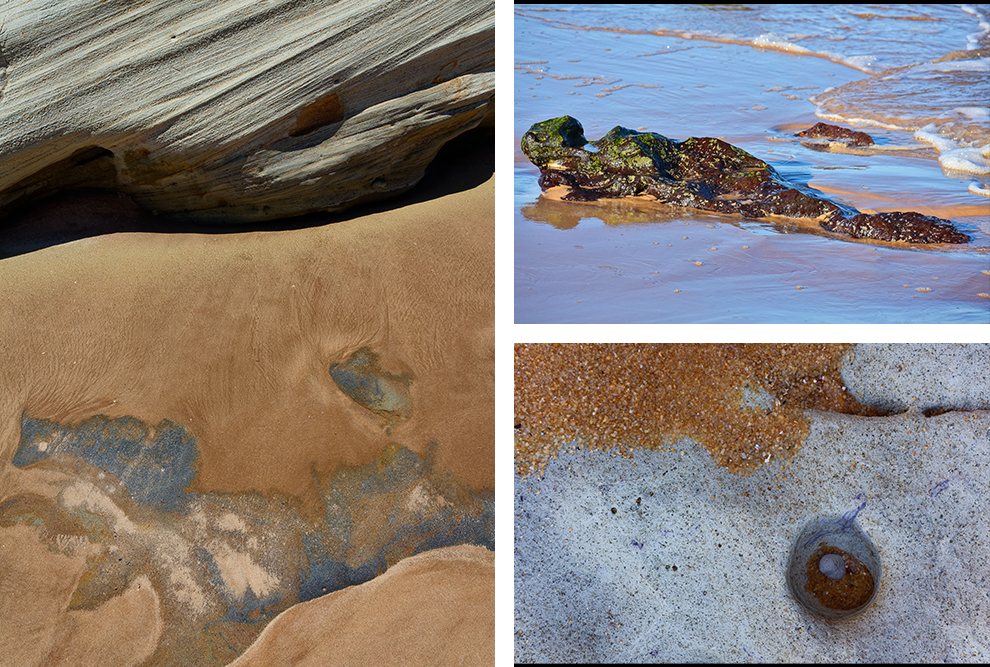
[(915, 77)]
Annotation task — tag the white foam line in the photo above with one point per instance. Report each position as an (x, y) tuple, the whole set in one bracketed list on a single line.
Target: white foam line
[(861, 121), (952, 156), (973, 39), (772, 41), (767, 41), (977, 189)]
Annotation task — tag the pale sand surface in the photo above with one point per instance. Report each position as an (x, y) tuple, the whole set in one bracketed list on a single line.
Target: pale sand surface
[(231, 336), (637, 556), (437, 607)]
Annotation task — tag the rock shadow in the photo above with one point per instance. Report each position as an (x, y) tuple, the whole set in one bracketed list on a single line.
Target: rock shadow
[(90, 206)]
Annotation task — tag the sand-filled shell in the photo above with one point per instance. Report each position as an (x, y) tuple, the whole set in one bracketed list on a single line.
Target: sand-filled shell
[(834, 569)]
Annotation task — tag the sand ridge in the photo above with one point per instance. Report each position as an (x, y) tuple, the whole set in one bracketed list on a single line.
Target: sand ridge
[(445, 594)]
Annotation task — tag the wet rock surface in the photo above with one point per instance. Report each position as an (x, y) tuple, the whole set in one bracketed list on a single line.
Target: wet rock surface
[(706, 174), (839, 134)]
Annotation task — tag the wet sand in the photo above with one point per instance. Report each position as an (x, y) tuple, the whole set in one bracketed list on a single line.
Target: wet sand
[(230, 337)]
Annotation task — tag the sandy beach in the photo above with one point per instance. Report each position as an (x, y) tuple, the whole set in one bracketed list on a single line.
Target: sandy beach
[(217, 346)]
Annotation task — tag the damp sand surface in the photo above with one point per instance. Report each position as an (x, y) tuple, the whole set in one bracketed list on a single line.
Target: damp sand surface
[(621, 262)]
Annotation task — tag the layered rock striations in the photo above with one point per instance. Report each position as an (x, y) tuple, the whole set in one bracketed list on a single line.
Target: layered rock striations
[(706, 174), (237, 111)]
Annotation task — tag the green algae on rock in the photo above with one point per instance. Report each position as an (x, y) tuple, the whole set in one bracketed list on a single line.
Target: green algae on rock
[(706, 174)]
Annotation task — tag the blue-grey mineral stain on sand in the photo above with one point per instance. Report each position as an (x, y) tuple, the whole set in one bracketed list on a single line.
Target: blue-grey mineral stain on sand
[(372, 387), (154, 464), (397, 503), (243, 558)]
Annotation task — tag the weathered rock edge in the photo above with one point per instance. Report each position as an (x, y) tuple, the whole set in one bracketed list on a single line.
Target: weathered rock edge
[(237, 111), (706, 174)]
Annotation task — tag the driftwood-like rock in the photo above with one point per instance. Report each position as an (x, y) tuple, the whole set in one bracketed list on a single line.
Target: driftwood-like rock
[(239, 110), (706, 174), (838, 134)]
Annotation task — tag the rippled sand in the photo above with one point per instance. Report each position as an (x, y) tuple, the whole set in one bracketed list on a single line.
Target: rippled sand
[(178, 465)]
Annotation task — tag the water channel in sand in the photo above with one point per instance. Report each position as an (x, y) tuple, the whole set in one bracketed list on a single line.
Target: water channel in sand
[(625, 262)]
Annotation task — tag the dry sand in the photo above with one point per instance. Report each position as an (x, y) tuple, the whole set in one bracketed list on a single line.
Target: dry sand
[(231, 336)]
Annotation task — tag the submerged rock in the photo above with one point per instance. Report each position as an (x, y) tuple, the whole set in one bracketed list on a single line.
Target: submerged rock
[(839, 134), (233, 112), (706, 174)]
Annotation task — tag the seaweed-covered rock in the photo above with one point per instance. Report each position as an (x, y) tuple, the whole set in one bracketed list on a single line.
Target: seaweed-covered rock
[(706, 174), (835, 133)]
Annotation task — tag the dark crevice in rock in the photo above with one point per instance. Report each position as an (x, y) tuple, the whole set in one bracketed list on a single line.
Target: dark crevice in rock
[(88, 167), (95, 209)]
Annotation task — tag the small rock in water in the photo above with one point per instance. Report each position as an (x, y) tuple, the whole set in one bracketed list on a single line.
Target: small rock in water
[(838, 134)]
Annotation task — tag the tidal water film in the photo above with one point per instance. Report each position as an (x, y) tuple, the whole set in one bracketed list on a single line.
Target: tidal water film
[(913, 77)]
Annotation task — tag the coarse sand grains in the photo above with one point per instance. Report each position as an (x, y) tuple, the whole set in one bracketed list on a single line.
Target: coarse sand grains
[(744, 403)]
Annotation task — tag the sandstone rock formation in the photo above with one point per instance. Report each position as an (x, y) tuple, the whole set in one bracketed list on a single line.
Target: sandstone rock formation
[(240, 110), (707, 174)]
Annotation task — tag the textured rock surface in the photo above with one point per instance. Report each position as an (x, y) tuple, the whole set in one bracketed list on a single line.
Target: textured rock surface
[(239, 110), (839, 134), (690, 565), (706, 174)]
